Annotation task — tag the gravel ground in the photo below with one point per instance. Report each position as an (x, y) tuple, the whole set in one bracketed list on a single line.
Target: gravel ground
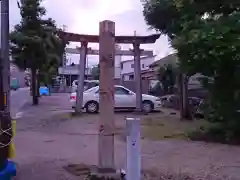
[(47, 140)]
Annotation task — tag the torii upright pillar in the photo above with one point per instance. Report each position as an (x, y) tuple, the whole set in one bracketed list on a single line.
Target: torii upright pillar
[(137, 76), (81, 77), (106, 121)]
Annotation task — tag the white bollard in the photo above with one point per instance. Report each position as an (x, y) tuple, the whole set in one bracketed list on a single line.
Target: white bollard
[(133, 149)]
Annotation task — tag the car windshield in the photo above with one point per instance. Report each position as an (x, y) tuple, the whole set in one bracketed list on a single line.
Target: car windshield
[(93, 89)]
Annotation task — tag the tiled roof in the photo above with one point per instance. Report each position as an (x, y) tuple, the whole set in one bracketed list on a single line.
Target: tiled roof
[(142, 72), (170, 59)]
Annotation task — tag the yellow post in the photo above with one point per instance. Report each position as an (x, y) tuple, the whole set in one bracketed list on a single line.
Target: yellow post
[(12, 152)]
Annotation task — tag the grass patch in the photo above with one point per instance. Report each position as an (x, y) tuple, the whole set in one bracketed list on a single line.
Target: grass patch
[(80, 115), (154, 175), (75, 114), (65, 115), (217, 133), (168, 127)]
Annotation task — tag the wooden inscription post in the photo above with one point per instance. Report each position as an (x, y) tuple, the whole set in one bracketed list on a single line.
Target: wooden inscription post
[(106, 121)]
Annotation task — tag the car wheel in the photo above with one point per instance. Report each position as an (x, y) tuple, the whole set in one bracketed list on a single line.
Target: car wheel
[(92, 107), (147, 106)]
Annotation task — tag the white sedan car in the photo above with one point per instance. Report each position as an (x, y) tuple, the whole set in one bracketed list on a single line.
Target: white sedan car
[(124, 99)]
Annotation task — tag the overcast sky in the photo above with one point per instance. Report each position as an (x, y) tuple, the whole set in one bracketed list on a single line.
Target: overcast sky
[(83, 16)]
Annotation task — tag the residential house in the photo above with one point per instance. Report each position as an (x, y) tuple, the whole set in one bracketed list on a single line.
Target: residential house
[(17, 73), (173, 60), (170, 59), (117, 65), (127, 68), (71, 72)]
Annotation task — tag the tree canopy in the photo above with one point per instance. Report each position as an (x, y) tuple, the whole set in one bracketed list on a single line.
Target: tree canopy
[(167, 76), (206, 37), (34, 42)]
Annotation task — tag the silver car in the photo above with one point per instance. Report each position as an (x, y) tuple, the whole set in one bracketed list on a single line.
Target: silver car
[(87, 84)]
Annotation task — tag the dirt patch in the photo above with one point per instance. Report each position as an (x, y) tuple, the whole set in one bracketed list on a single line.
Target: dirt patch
[(39, 170), (43, 150)]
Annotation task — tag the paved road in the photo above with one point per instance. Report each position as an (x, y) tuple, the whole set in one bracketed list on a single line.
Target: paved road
[(18, 99)]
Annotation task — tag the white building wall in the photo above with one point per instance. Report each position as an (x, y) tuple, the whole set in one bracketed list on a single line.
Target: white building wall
[(117, 66), (128, 66), (126, 77)]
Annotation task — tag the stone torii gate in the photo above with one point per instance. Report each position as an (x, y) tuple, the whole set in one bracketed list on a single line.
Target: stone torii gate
[(107, 40), (83, 51), (83, 65)]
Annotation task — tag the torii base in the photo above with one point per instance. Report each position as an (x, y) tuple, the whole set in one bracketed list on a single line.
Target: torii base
[(105, 174)]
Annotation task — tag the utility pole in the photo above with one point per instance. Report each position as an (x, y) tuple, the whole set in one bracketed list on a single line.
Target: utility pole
[(5, 63), (5, 119)]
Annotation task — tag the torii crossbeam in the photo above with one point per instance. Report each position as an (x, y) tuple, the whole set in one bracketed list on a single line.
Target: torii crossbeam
[(73, 37), (117, 52)]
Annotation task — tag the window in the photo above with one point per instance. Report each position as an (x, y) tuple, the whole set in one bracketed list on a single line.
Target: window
[(131, 77), (93, 90), (132, 65), (121, 91), (142, 65)]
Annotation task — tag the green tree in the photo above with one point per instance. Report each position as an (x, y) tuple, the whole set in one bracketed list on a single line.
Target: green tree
[(206, 37), (167, 76), (217, 55), (55, 54), (165, 17), (33, 41)]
